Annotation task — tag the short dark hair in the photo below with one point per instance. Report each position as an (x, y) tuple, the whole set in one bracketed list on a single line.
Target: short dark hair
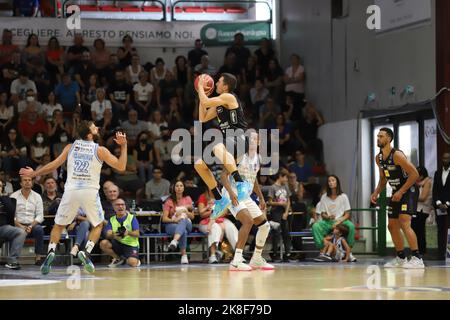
[(84, 129), (278, 175), (230, 81), (389, 132), (423, 172), (343, 229)]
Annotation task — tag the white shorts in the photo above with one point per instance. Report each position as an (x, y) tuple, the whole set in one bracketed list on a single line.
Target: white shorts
[(248, 204), (86, 199)]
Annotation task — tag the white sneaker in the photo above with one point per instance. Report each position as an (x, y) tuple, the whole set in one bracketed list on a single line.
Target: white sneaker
[(213, 259), (414, 263), (353, 258), (139, 264), (219, 255), (116, 262), (184, 259), (239, 266), (396, 263), (74, 251), (261, 263)]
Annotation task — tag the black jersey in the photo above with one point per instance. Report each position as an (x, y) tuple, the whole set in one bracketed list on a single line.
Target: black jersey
[(394, 174), (231, 119)]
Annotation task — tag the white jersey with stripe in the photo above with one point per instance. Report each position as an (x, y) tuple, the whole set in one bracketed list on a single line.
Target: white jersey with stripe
[(83, 166), (248, 169)]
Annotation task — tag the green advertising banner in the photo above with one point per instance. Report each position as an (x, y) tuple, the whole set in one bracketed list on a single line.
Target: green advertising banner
[(220, 34)]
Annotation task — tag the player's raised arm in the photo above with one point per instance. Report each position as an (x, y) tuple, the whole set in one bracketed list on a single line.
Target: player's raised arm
[(49, 167), (118, 164), (205, 102)]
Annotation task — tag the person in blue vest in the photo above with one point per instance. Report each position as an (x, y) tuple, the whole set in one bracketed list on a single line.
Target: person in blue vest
[(122, 233)]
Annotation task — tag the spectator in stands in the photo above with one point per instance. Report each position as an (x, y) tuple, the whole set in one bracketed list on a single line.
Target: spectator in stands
[(68, 93), (26, 8), (143, 156), (122, 235), (158, 72), (57, 127), (268, 113), (133, 70), (14, 152), (39, 148), (99, 106), (242, 53), (278, 199), (7, 185), (8, 232), (46, 159), (7, 48), (284, 137), (258, 94), (334, 208), (74, 55), (133, 127), (307, 132), (108, 124), (6, 114), (295, 187), (30, 98), (182, 71), (250, 73), (50, 106), (80, 228), (158, 187), (204, 67), (154, 125), (300, 167), (216, 231), (126, 52), (10, 71), (31, 123), (178, 212), (84, 70), (441, 199), (20, 86), (89, 95), (33, 57), (119, 93), (55, 60), (424, 208), (168, 87), (294, 79), (30, 215), (173, 113), (143, 93), (128, 180), (264, 53), (74, 124), (100, 57), (230, 65), (51, 197), (111, 194), (110, 71), (195, 55), (273, 78), (163, 150)]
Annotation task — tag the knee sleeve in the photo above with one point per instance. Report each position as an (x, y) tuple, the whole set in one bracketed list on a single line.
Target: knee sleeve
[(261, 235)]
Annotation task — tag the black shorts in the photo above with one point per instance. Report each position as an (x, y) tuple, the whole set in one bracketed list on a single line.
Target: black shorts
[(236, 145), (122, 250), (407, 205)]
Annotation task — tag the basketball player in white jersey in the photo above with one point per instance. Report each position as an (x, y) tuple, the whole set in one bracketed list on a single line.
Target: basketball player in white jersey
[(84, 162), (247, 211)]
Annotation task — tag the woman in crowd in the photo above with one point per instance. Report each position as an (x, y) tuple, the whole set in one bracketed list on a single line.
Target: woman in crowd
[(6, 114), (155, 123), (55, 60), (39, 148), (33, 56), (182, 71), (177, 215), (143, 156)]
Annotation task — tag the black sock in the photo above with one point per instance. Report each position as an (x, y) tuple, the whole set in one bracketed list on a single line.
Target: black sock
[(416, 254), (237, 177), (216, 193), (401, 254)]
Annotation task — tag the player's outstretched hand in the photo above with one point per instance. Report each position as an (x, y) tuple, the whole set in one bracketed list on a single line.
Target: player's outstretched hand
[(121, 138), (26, 172)]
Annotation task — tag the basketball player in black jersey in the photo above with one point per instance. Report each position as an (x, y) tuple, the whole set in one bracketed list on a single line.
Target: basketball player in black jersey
[(228, 110), (402, 176)]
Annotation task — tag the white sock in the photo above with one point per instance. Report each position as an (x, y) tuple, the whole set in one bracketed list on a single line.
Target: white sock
[(51, 246), (257, 253), (75, 250), (175, 242), (238, 255), (89, 246)]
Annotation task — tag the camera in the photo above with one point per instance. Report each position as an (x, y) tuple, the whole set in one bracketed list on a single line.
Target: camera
[(121, 231)]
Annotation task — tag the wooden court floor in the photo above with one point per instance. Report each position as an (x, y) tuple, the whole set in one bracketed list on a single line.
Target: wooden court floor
[(366, 280)]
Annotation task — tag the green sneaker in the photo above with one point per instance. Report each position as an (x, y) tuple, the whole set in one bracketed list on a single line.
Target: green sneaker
[(46, 265), (86, 260)]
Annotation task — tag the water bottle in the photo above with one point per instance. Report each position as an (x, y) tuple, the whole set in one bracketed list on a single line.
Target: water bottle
[(133, 206)]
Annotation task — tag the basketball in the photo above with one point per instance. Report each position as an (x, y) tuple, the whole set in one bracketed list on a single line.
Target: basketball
[(208, 84)]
